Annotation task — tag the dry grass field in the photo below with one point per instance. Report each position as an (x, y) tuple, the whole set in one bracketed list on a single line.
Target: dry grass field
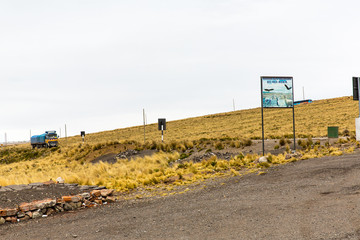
[(311, 120), (73, 159)]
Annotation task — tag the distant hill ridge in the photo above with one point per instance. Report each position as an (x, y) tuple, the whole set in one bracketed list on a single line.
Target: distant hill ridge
[(311, 120)]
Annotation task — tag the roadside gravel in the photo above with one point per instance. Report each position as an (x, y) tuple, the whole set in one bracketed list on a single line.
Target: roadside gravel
[(310, 199)]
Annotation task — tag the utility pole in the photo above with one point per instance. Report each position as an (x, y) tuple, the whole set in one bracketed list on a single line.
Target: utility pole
[(303, 93), (144, 123), (30, 135), (5, 139), (60, 133), (65, 134), (234, 104)]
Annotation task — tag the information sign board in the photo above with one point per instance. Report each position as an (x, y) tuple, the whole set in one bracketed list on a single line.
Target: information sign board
[(277, 92)]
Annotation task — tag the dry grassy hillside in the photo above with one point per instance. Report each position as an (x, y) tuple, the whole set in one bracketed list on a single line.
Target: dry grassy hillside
[(74, 160), (311, 119)]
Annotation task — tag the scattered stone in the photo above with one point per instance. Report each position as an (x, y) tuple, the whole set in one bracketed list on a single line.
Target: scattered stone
[(46, 207), (19, 187), (106, 192), (263, 159), (11, 219), (25, 218), (60, 180), (293, 155), (85, 195), (96, 193), (29, 213), (59, 208), (78, 205), (126, 154), (44, 203), (50, 211), (110, 199), (68, 206), (36, 214), (20, 214)]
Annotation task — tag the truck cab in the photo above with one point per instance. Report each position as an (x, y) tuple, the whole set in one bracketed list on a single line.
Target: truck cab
[(48, 139)]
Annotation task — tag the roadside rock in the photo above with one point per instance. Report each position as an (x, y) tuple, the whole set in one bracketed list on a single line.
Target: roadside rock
[(20, 202), (126, 154), (263, 159), (293, 155), (60, 180)]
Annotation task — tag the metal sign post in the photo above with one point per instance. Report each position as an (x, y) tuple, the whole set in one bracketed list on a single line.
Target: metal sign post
[(276, 92), (82, 133), (144, 123), (162, 127), (356, 93)]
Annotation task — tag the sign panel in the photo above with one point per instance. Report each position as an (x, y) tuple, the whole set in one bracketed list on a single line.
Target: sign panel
[(277, 92), (356, 88), (162, 124)]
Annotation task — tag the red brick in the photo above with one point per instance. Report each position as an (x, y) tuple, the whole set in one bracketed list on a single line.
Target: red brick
[(66, 198), (8, 212), (24, 207), (2, 212), (74, 199)]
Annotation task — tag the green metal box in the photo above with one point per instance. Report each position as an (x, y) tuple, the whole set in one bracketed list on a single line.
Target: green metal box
[(333, 132)]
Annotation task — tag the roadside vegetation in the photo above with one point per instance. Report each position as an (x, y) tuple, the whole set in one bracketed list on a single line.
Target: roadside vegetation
[(169, 162)]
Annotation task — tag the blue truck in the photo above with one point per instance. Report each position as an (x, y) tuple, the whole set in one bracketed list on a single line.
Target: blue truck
[(48, 139)]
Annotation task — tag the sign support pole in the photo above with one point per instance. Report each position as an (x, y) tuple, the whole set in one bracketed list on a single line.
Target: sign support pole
[(262, 118), (294, 126), (144, 122), (162, 133), (293, 107), (358, 79)]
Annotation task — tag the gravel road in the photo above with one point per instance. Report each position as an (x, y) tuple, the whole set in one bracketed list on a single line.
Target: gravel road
[(311, 199)]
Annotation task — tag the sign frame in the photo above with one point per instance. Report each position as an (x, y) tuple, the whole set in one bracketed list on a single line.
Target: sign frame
[(356, 88), (280, 93)]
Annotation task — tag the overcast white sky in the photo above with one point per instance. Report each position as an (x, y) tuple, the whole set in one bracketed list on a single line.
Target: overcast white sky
[(94, 65)]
